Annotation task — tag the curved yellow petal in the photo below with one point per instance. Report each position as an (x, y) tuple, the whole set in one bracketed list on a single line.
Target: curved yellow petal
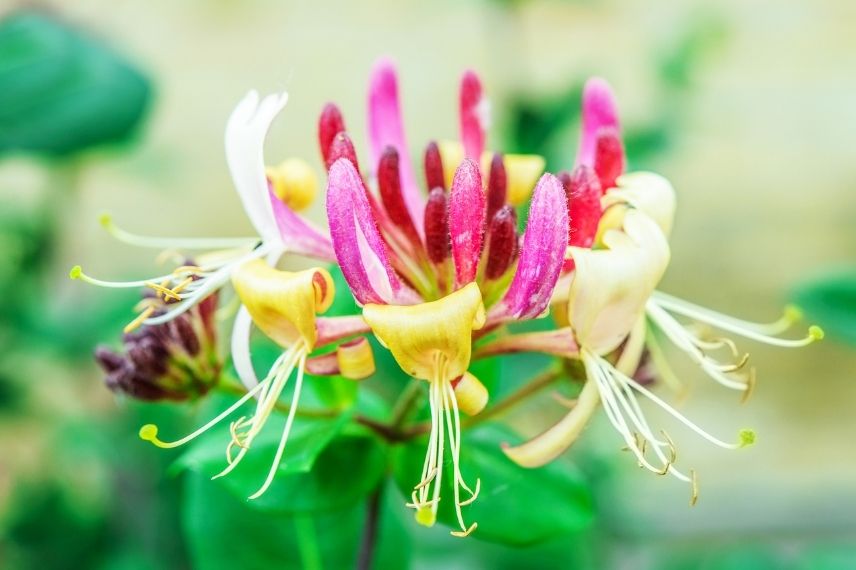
[(281, 303), (471, 394), (611, 286), (421, 335), (547, 446), (294, 182)]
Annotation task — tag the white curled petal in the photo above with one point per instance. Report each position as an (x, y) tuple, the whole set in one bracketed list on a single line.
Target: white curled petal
[(241, 349), (611, 286), (245, 136), (647, 192)]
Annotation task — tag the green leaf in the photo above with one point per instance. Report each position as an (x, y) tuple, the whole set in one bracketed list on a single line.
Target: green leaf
[(327, 464), (830, 302), (64, 92), (224, 531), (516, 506)]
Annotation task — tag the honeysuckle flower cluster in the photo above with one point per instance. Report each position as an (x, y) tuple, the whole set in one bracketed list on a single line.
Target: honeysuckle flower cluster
[(438, 269)]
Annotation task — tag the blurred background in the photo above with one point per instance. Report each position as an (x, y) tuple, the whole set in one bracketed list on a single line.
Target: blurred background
[(747, 107)]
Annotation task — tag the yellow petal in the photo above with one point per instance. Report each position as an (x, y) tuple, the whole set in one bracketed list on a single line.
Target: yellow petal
[(294, 182), (611, 286), (523, 171), (647, 192), (452, 155), (284, 304), (547, 446), (355, 359), (470, 394), (417, 335)]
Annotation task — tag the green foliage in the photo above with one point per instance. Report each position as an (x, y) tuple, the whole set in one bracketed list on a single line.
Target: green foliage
[(830, 302), (517, 506), (63, 91), (327, 464)]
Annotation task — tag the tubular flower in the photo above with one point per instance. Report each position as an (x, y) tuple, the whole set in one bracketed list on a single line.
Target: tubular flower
[(615, 315), (429, 273), (284, 306), (269, 198)]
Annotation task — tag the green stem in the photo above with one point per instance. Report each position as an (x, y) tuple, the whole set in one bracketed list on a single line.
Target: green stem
[(307, 542)]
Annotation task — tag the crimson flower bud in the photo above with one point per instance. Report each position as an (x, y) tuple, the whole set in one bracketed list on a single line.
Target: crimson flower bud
[(389, 184), (330, 124), (434, 167), (502, 243), (608, 157), (497, 186), (437, 226)]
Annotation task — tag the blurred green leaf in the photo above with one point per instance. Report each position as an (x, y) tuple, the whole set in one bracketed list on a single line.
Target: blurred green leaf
[(830, 302), (224, 531), (516, 506), (63, 91), (325, 465)]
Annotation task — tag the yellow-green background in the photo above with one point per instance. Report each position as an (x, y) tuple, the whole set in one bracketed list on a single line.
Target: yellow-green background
[(761, 154)]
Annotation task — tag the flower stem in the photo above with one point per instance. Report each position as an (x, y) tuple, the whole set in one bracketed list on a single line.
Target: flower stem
[(307, 542), (368, 542)]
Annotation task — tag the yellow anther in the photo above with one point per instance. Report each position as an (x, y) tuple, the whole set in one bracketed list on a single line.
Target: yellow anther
[(147, 312), (294, 182), (165, 292), (464, 533), (694, 481), (105, 219), (750, 386), (425, 516), (815, 332), (180, 287), (75, 272), (149, 432)]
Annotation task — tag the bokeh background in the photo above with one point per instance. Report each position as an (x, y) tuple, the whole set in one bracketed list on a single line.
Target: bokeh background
[(747, 107)]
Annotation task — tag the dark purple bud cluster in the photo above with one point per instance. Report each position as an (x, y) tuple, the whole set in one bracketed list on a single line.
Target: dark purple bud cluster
[(176, 360)]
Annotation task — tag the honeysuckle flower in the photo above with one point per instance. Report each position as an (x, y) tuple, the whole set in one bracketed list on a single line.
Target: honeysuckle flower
[(428, 274), (177, 360), (284, 306), (268, 197), (615, 315)]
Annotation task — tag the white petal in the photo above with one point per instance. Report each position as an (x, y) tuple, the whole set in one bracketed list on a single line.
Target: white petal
[(241, 349), (245, 136), (648, 192), (611, 286)]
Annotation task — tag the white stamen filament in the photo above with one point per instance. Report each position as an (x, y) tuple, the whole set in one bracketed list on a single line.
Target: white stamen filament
[(445, 418), (172, 243), (755, 331), (686, 341)]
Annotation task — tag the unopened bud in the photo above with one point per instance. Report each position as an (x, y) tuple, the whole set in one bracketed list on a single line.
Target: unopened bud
[(608, 157), (342, 147), (497, 186), (437, 226), (583, 192), (330, 124), (502, 242), (434, 176), (389, 185), (355, 359), (470, 393)]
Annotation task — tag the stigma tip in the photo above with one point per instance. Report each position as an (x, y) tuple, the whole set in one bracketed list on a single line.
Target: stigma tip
[(747, 437), (815, 332), (76, 272), (105, 219), (149, 432)]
